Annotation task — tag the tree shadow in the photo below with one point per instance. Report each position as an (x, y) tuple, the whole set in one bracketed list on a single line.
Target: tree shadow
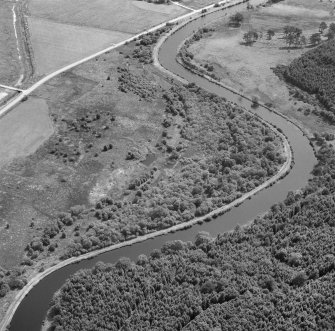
[(244, 43)]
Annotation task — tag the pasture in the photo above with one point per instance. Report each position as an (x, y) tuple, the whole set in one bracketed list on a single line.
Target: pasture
[(24, 129), (249, 68), (57, 45), (127, 16)]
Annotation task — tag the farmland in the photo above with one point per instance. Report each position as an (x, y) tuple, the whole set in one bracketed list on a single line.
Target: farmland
[(127, 16), (57, 45), (9, 62), (63, 32), (24, 129), (249, 69)]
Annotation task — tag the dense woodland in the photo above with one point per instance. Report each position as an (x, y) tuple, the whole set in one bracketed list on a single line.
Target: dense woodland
[(314, 72), (277, 274)]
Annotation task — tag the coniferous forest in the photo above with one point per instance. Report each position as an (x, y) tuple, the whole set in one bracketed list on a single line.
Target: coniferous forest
[(276, 274), (314, 72)]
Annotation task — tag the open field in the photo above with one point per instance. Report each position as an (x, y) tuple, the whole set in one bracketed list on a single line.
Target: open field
[(24, 129), (127, 16), (56, 45), (9, 62), (249, 68)]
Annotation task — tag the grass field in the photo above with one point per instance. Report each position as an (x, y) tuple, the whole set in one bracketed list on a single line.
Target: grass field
[(249, 68), (24, 129), (56, 45), (128, 16), (9, 65)]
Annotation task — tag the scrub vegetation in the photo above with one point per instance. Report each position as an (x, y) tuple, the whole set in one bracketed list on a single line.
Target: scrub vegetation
[(276, 274), (90, 184)]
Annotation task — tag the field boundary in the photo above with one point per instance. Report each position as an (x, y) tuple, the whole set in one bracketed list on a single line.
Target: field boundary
[(32, 88)]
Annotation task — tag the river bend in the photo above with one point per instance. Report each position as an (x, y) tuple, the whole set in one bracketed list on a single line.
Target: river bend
[(32, 310)]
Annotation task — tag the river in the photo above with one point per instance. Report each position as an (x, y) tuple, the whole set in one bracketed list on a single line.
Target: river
[(32, 310)]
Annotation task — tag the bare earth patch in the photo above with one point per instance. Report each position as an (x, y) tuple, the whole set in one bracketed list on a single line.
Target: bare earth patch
[(110, 180)]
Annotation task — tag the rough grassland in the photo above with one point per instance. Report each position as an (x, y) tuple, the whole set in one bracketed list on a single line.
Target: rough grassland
[(129, 16), (56, 45), (249, 68), (9, 65), (36, 188), (21, 132)]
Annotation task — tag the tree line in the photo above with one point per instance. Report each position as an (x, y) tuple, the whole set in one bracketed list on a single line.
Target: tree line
[(314, 72), (293, 35), (276, 274)]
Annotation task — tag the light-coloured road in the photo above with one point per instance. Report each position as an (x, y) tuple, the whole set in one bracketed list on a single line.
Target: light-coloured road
[(31, 89), (11, 88)]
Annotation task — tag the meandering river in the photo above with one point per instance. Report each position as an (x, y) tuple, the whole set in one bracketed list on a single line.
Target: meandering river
[(32, 310)]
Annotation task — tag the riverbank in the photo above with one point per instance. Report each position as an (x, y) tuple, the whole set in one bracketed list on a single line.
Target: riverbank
[(197, 70), (251, 69), (37, 277)]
